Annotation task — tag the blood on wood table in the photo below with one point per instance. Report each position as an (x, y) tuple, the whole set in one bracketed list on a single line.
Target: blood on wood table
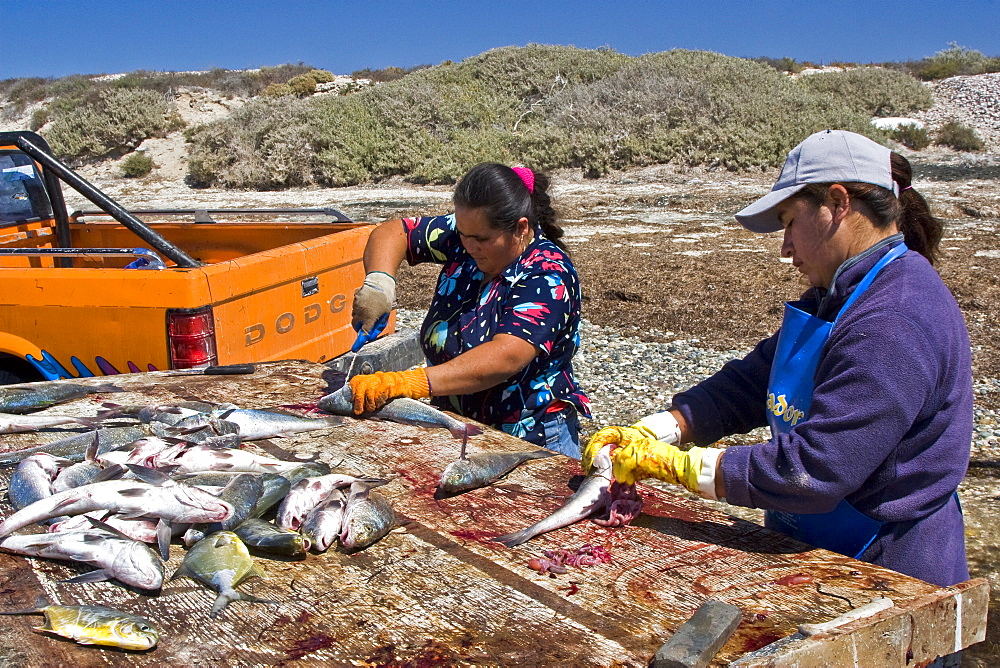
[(438, 591)]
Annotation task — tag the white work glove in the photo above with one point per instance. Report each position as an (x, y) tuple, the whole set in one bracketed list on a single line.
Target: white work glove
[(372, 300), (660, 426)]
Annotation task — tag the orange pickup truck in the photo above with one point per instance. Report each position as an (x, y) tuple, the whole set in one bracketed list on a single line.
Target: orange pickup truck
[(103, 292)]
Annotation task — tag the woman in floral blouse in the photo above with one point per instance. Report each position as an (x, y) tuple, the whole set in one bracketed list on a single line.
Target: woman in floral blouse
[(503, 324)]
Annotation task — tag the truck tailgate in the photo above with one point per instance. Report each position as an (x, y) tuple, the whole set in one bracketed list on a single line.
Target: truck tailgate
[(436, 591)]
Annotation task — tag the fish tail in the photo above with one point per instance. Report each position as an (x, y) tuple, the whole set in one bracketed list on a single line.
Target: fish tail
[(107, 387), (40, 604), (516, 538), (465, 430), (227, 597), (224, 599)]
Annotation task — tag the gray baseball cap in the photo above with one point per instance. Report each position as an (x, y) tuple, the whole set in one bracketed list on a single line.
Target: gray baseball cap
[(830, 156)]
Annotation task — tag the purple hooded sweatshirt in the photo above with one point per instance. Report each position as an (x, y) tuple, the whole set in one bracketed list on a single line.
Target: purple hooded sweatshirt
[(890, 425)]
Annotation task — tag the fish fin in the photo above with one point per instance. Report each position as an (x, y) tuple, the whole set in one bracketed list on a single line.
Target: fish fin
[(465, 444), (539, 454), (148, 475), (112, 472), (163, 536), (94, 447), (132, 492), (99, 575), (106, 388), (104, 526), (181, 572), (512, 539)]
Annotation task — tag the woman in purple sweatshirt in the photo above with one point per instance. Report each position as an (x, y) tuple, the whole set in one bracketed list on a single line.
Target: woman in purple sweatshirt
[(867, 386)]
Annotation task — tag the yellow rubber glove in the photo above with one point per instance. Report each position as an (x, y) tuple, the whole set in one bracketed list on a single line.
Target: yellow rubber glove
[(372, 391), (643, 458), (613, 436)]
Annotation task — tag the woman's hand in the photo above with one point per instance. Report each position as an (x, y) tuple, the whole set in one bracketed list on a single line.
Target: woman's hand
[(372, 300), (372, 391), (635, 456), (613, 436)]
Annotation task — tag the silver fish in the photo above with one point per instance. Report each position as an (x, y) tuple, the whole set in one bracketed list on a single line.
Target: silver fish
[(167, 413), (263, 536), (205, 458), (308, 493), (367, 518), (142, 530), (113, 554), (274, 488), (13, 424), (591, 497), (242, 493), (81, 473), (132, 498), (402, 410), (323, 523), (483, 468), (221, 561), (258, 424), (22, 399), (32, 479), (74, 447)]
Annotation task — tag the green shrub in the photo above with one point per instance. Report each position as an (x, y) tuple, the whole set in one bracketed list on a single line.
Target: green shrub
[(875, 91), (137, 165), (302, 85), (38, 118), (546, 106), (117, 123), (959, 137), (277, 90), (785, 64), (954, 61), (911, 136), (322, 76)]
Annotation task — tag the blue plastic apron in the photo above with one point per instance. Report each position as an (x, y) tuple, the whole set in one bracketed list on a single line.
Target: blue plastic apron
[(844, 530)]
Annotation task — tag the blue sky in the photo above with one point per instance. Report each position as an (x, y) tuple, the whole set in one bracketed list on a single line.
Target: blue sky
[(60, 37)]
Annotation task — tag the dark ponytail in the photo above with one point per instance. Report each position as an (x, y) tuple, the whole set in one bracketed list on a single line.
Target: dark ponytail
[(922, 232), (503, 196)]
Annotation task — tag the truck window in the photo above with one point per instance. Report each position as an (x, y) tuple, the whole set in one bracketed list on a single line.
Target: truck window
[(22, 194)]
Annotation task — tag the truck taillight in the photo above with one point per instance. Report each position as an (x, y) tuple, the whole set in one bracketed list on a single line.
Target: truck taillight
[(191, 337)]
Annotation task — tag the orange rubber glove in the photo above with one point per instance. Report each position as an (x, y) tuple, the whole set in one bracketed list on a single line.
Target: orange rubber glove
[(372, 391)]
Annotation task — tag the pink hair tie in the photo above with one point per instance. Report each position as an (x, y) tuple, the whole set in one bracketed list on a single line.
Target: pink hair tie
[(527, 176)]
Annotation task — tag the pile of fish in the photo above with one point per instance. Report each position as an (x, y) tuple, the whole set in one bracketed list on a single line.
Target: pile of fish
[(117, 496)]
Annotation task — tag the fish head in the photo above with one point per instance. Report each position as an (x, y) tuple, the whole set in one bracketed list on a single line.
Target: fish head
[(201, 506), (365, 522), (138, 565), (133, 633), (457, 476), (340, 402)]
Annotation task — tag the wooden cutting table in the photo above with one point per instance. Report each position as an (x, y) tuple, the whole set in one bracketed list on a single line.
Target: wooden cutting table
[(436, 591)]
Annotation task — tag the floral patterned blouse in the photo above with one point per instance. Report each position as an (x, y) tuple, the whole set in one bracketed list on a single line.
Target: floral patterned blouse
[(536, 298)]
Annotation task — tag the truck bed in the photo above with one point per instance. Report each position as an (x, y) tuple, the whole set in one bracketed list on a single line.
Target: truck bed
[(437, 591)]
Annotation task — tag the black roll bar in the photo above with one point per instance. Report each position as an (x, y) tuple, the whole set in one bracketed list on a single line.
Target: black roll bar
[(107, 205)]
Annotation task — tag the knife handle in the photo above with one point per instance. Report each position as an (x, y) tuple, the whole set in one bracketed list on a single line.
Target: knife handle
[(228, 369)]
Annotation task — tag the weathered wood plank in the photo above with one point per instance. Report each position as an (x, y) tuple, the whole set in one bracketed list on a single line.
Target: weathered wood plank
[(438, 590)]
